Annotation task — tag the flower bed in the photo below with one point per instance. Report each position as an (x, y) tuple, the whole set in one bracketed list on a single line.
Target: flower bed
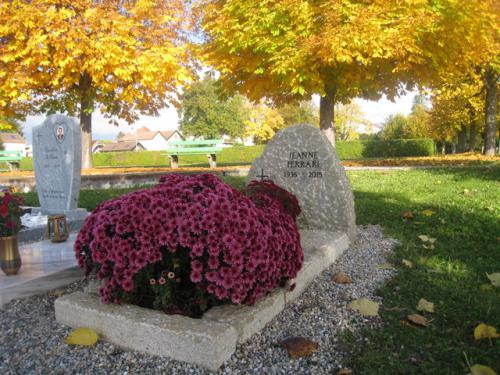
[(192, 242)]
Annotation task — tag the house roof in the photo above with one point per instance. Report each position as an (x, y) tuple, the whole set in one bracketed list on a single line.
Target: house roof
[(11, 138), (144, 134), (119, 146), (168, 133)]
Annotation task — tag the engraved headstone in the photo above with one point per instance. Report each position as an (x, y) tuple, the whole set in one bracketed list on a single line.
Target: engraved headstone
[(301, 160), (57, 161)]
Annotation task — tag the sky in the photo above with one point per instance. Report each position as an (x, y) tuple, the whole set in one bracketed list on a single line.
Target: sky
[(375, 111)]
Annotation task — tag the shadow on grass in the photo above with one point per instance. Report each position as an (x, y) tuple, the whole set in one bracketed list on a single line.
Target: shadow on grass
[(450, 275)]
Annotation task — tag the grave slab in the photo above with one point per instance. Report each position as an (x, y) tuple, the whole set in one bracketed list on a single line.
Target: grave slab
[(213, 338), (45, 266), (150, 331)]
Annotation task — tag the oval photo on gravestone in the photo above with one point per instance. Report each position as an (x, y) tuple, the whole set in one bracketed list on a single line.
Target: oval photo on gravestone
[(301, 160)]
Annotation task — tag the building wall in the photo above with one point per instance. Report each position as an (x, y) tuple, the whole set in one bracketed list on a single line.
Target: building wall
[(158, 143), (15, 147)]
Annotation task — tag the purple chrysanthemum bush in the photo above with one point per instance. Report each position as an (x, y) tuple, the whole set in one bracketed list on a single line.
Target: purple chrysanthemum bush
[(192, 242)]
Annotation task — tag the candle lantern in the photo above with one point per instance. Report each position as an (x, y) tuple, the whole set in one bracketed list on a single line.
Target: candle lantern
[(57, 228)]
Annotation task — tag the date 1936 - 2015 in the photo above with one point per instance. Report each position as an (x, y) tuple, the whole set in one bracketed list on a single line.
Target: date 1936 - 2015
[(310, 174)]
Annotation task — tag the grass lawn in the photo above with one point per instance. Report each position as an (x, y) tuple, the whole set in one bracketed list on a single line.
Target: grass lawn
[(466, 223), (463, 214)]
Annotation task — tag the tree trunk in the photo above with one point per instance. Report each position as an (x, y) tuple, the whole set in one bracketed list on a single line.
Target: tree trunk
[(86, 108), (472, 137), (462, 139), (490, 113), (326, 116)]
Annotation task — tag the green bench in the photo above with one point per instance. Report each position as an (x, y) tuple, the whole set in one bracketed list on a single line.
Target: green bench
[(13, 158), (209, 147)]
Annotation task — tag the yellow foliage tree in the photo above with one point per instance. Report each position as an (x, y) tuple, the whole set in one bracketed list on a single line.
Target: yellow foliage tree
[(124, 58), (475, 74), (348, 120), (457, 107), (339, 49), (263, 122)]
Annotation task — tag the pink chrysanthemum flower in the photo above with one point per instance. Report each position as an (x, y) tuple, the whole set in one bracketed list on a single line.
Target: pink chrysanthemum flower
[(236, 247)]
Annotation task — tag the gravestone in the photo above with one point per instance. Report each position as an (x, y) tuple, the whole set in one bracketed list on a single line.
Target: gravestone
[(57, 160), (301, 160)]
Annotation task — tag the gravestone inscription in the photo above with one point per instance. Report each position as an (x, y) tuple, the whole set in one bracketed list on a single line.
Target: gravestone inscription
[(57, 161), (301, 160)]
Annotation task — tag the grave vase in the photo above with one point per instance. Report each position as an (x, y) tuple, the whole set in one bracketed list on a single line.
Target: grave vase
[(10, 259)]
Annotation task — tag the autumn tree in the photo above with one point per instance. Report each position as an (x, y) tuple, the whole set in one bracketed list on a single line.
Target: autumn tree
[(340, 49), (9, 125), (458, 109), (394, 126), (302, 112), (124, 58), (205, 111), (349, 119), (263, 122), (474, 74)]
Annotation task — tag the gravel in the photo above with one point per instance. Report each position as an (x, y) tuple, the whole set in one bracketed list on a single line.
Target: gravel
[(31, 342)]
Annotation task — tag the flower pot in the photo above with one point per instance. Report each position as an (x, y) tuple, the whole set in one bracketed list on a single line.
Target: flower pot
[(10, 259)]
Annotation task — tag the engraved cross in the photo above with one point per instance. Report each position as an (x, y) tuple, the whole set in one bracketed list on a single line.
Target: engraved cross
[(262, 175)]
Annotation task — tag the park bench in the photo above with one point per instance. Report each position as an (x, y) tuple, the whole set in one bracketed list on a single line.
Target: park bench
[(13, 158), (209, 147)]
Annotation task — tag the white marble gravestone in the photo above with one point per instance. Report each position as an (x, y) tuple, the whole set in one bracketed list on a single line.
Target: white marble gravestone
[(57, 160), (301, 160)]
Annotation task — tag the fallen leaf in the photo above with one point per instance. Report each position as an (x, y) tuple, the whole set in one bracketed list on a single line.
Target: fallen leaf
[(495, 279), (424, 237), (428, 213), (428, 247), (407, 263), (365, 307), (386, 266), (424, 305), (408, 215), (82, 336), (342, 278), (466, 192), (405, 323), (345, 371), (482, 370), (484, 331), (298, 346), (418, 320)]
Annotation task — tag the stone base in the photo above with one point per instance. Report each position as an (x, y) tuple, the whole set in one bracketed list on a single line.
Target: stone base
[(75, 218), (209, 341)]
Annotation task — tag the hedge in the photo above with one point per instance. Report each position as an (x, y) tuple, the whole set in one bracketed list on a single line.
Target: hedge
[(236, 155), (241, 155), (383, 149)]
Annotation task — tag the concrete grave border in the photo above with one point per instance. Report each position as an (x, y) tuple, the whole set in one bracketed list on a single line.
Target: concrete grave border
[(207, 342)]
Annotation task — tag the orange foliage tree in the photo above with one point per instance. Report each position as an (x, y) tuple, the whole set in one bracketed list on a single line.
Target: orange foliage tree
[(123, 57), (339, 49)]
